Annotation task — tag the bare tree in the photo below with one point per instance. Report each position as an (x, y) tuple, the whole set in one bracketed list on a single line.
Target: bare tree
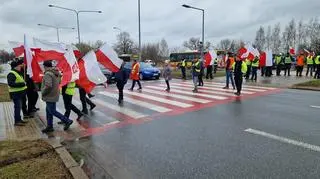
[(301, 36), (124, 43), (268, 38), (151, 51), (260, 39), (192, 44), (164, 49), (313, 35), (275, 39), (225, 44), (175, 49), (97, 44), (292, 33), (84, 48)]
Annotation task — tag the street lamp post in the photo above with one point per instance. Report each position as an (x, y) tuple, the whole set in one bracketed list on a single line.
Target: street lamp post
[(139, 30), (202, 47), (57, 29), (77, 14)]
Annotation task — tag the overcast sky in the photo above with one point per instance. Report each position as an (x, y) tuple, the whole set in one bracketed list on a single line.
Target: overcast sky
[(159, 19)]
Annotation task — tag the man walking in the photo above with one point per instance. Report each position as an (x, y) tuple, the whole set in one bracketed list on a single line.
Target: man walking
[(209, 71), (255, 65), (167, 74), (229, 63), (84, 100), (309, 65), (68, 91), (17, 88), (239, 68), (300, 64), (135, 75), (195, 73), (279, 63), (317, 62), (201, 73), (50, 94), (183, 69), (248, 63), (288, 62), (121, 80)]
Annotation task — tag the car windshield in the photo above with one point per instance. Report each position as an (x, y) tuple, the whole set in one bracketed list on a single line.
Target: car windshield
[(145, 65), (142, 65)]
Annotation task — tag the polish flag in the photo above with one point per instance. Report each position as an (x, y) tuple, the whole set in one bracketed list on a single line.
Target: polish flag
[(250, 52), (209, 58), (109, 58), (292, 51), (63, 55), (269, 61), (243, 53), (76, 52), (90, 72), (17, 47)]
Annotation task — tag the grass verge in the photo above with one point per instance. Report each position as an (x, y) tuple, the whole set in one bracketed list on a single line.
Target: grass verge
[(311, 83), (4, 93), (30, 159)]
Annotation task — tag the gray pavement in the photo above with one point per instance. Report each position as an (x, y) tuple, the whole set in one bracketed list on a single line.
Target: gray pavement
[(212, 142)]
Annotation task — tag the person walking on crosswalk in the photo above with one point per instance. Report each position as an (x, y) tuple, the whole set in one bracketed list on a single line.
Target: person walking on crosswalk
[(67, 92), (195, 73), (183, 69), (121, 80), (17, 89), (50, 94), (135, 75), (229, 76), (167, 74), (200, 77), (239, 69)]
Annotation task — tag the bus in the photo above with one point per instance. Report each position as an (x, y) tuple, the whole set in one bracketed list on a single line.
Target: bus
[(176, 58)]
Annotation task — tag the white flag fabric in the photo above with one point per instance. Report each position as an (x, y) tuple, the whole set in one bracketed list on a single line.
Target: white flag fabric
[(28, 56), (92, 68), (109, 58), (72, 61), (269, 62)]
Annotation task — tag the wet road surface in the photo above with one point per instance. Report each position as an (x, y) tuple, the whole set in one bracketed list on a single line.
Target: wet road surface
[(214, 142)]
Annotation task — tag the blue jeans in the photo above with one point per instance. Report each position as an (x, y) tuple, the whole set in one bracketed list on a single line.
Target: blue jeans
[(195, 81), (51, 111), (17, 101), (229, 76)]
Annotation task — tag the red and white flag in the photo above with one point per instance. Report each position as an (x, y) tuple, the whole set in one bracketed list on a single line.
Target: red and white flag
[(90, 72), (109, 58), (63, 55), (210, 57), (292, 51), (17, 47), (76, 52)]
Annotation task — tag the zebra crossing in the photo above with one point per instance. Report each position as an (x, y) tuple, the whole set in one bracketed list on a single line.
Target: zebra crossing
[(153, 100)]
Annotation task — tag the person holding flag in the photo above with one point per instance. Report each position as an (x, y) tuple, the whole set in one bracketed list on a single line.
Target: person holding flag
[(239, 69), (135, 75)]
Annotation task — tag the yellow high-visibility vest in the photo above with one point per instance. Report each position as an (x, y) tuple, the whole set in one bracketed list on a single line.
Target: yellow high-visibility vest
[(19, 79)]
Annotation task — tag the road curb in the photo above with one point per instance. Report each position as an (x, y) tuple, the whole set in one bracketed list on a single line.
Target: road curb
[(304, 88), (73, 167)]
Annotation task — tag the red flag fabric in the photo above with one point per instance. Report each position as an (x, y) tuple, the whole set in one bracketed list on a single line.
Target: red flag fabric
[(209, 58), (292, 51), (83, 80), (90, 72), (17, 47), (263, 58), (241, 53), (109, 58)]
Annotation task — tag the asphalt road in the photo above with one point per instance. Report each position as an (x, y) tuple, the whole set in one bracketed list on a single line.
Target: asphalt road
[(212, 142)]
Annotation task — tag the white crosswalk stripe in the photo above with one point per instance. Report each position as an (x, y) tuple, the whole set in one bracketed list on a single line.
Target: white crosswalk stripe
[(162, 100), (186, 91), (123, 110), (187, 98), (213, 88), (222, 85), (138, 102), (203, 90), (257, 87)]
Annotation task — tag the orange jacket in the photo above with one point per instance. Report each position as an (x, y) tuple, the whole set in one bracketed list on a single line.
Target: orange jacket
[(230, 63), (134, 75), (300, 60)]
